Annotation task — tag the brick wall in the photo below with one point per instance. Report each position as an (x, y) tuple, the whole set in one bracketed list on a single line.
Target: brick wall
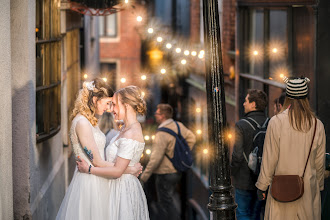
[(195, 21), (126, 51)]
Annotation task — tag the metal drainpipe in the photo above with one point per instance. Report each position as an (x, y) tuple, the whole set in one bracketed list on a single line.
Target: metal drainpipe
[(221, 202)]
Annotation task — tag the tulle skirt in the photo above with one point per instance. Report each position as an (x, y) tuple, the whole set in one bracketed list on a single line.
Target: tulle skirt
[(127, 200), (85, 199)]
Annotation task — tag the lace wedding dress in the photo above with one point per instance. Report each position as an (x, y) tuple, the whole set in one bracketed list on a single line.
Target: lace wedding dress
[(127, 200), (85, 198)]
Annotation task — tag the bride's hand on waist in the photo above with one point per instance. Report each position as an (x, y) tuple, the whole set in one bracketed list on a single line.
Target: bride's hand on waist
[(82, 165), (135, 170)]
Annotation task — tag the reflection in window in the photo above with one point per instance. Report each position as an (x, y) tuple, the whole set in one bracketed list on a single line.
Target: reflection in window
[(48, 71), (108, 25)]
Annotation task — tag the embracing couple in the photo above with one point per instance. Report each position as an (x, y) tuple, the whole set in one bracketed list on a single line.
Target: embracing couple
[(106, 189)]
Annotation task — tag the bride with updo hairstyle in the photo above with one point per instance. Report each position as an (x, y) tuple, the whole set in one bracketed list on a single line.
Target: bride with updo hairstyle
[(85, 198), (126, 198)]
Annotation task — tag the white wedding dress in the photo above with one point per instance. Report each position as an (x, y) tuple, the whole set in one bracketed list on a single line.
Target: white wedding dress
[(127, 200), (85, 198)]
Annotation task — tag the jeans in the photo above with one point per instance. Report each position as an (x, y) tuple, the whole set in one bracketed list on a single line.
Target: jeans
[(249, 207), (165, 188)]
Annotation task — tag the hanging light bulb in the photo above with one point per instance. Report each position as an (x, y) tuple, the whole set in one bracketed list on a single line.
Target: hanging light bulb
[(186, 52), (150, 30), (178, 50), (168, 46), (159, 39), (163, 71), (139, 18), (143, 77), (193, 53), (183, 62)]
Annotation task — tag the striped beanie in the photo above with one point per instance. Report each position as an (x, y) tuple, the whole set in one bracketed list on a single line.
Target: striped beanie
[(296, 88)]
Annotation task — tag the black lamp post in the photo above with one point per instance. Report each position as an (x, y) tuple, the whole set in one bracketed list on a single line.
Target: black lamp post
[(221, 202)]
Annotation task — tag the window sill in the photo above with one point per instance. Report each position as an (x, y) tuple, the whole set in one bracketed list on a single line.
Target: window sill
[(44, 137)]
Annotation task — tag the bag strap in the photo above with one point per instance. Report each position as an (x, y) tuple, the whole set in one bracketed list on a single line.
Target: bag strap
[(310, 149), (171, 132), (179, 132)]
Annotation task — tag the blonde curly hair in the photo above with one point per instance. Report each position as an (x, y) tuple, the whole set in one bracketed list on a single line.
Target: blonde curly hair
[(132, 95), (84, 103)]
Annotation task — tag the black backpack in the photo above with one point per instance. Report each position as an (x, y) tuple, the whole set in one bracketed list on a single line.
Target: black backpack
[(255, 157), (182, 159)]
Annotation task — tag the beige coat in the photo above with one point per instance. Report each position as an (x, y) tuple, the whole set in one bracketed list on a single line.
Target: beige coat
[(164, 144), (285, 152)]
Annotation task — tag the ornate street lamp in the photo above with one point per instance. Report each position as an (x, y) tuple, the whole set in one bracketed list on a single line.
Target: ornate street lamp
[(97, 7), (221, 202)]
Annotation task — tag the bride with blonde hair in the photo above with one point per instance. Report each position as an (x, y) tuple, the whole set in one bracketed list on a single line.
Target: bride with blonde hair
[(85, 196)]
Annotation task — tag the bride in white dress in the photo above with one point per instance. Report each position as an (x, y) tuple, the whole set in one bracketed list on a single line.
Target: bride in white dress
[(126, 198), (85, 197)]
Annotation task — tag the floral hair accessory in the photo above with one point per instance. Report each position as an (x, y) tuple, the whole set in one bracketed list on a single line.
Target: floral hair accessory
[(90, 85)]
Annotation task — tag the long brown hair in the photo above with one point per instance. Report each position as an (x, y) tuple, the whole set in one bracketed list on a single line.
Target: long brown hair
[(301, 115)]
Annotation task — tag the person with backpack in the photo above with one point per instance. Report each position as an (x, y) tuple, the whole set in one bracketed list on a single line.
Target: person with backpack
[(163, 151), (249, 131), (294, 146)]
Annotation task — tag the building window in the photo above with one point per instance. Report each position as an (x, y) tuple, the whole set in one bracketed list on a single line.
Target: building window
[(48, 69), (109, 71), (108, 26)]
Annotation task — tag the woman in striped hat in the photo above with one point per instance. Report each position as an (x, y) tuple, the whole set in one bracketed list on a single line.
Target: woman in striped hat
[(286, 149)]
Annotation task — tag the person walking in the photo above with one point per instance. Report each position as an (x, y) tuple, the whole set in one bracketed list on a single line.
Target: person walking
[(249, 207), (125, 195), (166, 176), (286, 149)]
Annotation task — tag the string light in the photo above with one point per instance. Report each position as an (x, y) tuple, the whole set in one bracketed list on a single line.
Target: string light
[(139, 18), (202, 52), (147, 138), (153, 137), (143, 77), (205, 151), (85, 76), (183, 62), (193, 53), (150, 30), (143, 94), (198, 110), (255, 53), (199, 131), (186, 52), (230, 136), (159, 39), (163, 71), (281, 75), (148, 151), (274, 50), (105, 79), (123, 80), (126, 1), (178, 50), (168, 46), (200, 56)]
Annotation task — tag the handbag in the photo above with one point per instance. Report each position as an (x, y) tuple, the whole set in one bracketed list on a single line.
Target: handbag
[(288, 188)]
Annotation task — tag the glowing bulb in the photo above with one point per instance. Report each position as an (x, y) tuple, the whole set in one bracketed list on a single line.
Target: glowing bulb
[(178, 50), (163, 71), (230, 136), (193, 53), (143, 94), (123, 80), (199, 131), (168, 46), (202, 52), (126, 1), (150, 30), (281, 75), (37, 29), (274, 50), (153, 137), (147, 138), (104, 79), (142, 155), (186, 52), (198, 110), (143, 77), (183, 62), (205, 151), (139, 18), (200, 56), (85, 76), (159, 39), (255, 53), (148, 151)]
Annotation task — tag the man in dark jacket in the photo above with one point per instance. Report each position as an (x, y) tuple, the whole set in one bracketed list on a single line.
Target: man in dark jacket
[(244, 179)]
